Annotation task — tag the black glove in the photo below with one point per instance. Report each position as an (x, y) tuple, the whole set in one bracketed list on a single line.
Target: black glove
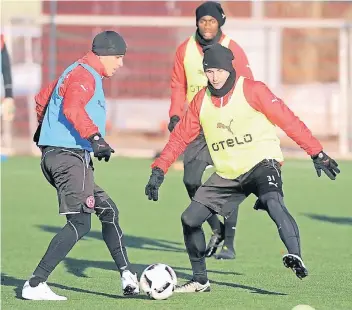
[(173, 121), (258, 205), (100, 148), (155, 180), (37, 134), (328, 165)]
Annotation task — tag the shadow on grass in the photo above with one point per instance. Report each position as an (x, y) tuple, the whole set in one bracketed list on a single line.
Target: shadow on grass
[(330, 219), (144, 243), (78, 268), (7, 280)]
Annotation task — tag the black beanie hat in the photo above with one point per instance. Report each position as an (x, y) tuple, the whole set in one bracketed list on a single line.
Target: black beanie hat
[(109, 43), (213, 9), (217, 56)]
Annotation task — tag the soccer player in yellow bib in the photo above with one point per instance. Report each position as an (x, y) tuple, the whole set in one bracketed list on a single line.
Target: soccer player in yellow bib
[(238, 117), (187, 79)]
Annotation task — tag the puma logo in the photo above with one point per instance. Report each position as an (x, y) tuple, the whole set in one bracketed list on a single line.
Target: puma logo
[(101, 104), (272, 183), (228, 128), (100, 145), (85, 89)]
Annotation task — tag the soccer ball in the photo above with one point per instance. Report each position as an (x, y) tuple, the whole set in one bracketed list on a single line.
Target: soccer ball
[(303, 307), (158, 281)]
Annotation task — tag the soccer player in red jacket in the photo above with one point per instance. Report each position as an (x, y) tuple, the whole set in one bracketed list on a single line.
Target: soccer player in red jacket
[(238, 117), (71, 114), (187, 79)]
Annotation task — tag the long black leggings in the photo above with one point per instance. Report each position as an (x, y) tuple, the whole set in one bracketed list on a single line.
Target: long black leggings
[(192, 219), (76, 227), (196, 214), (285, 223)]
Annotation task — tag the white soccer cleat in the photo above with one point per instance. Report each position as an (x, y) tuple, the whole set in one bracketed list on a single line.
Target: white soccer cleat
[(40, 292), (193, 287), (130, 284)]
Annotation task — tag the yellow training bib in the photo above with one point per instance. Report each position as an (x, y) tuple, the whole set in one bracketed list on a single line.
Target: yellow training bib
[(193, 64), (238, 136)]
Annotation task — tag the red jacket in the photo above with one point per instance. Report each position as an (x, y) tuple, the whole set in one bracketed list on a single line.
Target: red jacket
[(261, 99), (77, 89), (179, 81)]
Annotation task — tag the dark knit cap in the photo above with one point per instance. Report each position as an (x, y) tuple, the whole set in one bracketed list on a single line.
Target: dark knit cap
[(109, 43), (217, 56), (213, 9)]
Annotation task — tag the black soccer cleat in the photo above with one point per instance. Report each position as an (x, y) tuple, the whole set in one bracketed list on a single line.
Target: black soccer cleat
[(296, 264), (226, 253), (213, 244)]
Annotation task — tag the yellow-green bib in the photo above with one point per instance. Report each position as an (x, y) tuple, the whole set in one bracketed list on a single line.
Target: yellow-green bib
[(193, 64), (238, 136)]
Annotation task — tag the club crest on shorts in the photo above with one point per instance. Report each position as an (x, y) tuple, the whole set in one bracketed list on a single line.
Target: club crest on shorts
[(90, 202)]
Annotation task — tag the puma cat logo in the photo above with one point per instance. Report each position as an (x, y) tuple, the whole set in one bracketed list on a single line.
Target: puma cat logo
[(228, 128)]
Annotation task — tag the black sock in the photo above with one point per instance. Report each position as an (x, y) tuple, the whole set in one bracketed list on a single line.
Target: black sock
[(77, 226), (289, 234), (114, 240), (287, 226), (230, 229), (35, 281), (229, 237), (201, 278), (216, 226), (195, 244), (192, 219), (112, 234), (58, 248)]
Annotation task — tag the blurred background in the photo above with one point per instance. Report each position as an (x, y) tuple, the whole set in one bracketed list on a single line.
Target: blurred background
[(301, 49)]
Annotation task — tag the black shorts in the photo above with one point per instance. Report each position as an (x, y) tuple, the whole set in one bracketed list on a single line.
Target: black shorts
[(197, 149), (222, 195), (71, 172)]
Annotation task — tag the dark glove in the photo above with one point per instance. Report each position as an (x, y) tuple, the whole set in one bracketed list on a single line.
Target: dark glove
[(100, 148), (37, 134), (258, 205), (173, 121), (328, 165), (155, 180)]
